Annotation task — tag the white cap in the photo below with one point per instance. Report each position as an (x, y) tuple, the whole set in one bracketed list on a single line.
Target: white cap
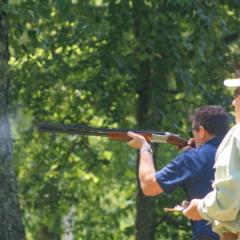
[(232, 82)]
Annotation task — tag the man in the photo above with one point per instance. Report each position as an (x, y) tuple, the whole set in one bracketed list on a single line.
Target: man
[(221, 207), (192, 169)]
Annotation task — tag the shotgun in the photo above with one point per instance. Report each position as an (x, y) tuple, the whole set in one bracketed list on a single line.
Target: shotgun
[(112, 133)]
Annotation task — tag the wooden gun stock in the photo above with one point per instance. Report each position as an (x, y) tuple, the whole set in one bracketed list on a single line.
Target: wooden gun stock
[(113, 134)]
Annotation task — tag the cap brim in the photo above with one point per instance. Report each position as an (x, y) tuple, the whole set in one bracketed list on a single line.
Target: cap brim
[(232, 82)]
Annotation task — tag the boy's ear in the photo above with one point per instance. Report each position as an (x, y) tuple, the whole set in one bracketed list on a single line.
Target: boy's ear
[(201, 132)]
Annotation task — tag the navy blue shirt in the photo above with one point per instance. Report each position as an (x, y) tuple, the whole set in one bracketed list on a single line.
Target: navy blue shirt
[(193, 171)]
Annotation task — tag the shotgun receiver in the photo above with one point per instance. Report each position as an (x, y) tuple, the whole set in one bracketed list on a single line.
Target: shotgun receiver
[(113, 134)]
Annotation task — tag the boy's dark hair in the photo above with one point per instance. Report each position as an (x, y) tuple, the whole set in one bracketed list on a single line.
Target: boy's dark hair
[(213, 118)]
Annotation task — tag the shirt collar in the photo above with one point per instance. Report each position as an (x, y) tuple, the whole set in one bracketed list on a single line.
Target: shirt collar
[(216, 140)]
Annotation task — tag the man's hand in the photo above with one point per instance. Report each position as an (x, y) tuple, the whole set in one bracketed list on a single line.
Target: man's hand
[(191, 144), (191, 212), (137, 142)]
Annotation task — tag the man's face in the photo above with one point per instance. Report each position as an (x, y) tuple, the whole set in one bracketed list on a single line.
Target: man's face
[(236, 104), (196, 136)]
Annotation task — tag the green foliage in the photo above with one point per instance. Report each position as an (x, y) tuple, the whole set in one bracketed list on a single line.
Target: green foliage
[(80, 61)]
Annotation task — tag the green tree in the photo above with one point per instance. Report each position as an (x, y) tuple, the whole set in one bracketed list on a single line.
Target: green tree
[(116, 63), (10, 215)]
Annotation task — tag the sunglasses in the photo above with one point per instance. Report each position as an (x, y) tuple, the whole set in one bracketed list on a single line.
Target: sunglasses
[(190, 131), (236, 92)]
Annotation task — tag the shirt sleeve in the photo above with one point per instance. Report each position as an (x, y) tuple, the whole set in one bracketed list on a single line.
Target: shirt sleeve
[(175, 173), (223, 203)]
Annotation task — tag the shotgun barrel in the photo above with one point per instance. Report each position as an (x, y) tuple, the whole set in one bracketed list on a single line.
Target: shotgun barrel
[(113, 133)]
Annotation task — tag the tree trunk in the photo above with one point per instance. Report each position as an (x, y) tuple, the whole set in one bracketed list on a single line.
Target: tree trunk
[(11, 227), (145, 205)]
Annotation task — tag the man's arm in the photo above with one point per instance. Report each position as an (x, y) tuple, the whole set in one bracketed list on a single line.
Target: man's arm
[(148, 182)]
